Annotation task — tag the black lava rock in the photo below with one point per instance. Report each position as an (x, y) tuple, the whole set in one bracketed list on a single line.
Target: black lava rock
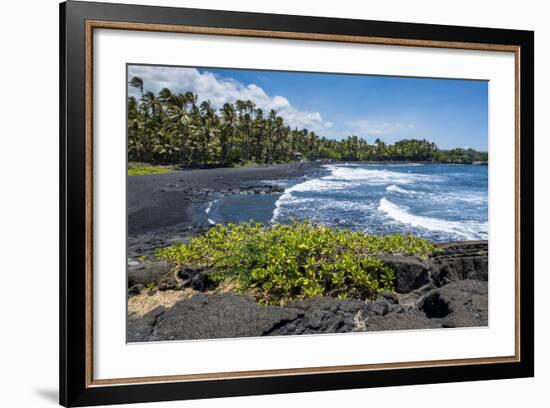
[(410, 273)]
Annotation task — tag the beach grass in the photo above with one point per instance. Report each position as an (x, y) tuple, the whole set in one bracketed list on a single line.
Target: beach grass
[(283, 262), (138, 169)]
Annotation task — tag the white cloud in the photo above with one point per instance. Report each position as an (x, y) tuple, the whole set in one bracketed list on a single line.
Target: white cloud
[(377, 128), (220, 90)]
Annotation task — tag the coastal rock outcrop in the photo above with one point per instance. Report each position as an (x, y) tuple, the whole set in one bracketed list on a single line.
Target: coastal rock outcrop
[(448, 290), (196, 277), (210, 316), (459, 261), (459, 304), (144, 274), (410, 273), (323, 315), (414, 319)]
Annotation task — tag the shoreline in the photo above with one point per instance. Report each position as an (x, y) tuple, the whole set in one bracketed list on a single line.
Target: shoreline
[(167, 208), (157, 201), (164, 209), (171, 207)]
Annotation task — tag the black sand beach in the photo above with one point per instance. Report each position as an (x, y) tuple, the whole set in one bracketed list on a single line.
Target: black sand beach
[(165, 208)]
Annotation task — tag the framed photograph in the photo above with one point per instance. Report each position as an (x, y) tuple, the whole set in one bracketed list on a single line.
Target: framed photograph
[(256, 204)]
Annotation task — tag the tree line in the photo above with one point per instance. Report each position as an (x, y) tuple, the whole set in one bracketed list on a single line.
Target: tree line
[(170, 128)]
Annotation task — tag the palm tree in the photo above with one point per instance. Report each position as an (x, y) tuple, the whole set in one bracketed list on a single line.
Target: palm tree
[(191, 98), (229, 123), (258, 131), (137, 82), (171, 128), (269, 142), (209, 143)]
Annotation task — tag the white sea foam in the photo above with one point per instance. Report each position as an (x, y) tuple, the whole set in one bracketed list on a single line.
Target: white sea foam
[(342, 178), (287, 199), (316, 185), (301, 199), (446, 198), (465, 229), (375, 176), (346, 205), (396, 189), (321, 184), (474, 198), (209, 207)]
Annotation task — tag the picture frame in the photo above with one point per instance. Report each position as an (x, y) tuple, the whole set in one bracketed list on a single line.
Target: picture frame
[(79, 20)]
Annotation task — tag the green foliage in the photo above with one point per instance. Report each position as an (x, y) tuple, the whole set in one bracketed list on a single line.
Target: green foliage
[(151, 286), (296, 261), (174, 128), (138, 169), (461, 156)]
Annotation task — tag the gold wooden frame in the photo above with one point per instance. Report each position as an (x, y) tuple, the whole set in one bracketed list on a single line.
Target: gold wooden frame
[(99, 24)]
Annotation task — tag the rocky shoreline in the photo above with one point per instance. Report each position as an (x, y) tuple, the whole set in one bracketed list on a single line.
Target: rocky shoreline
[(446, 291), (166, 303), (167, 208), (177, 199)]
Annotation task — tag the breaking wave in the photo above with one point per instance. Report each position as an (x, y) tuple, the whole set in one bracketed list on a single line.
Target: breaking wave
[(466, 229), (396, 189), (376, 176), (438, 202)]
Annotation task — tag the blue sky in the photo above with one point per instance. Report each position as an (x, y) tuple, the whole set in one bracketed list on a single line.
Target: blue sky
[(451, 113)]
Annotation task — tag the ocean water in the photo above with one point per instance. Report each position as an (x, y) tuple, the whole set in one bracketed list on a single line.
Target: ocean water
[(436, 201)]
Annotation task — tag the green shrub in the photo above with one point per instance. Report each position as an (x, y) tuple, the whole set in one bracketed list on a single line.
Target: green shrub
[(138, 169), (151, 285), (282, 262)]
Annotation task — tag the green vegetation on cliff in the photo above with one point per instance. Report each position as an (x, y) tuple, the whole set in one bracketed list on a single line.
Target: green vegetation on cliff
[(282, 262)]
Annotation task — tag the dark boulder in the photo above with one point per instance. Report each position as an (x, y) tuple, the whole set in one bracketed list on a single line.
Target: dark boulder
[(196, 277), (139, 328), (410, 273), (136, 290), (328, 303), (401, 321), (434, 306), (228, 315), (411, 298), (460, 304), (378, 308), (169, 282), (324, 315), (189, 271), (144, 273), (213, 316), (387, 302), (389, 297), (459, 261)]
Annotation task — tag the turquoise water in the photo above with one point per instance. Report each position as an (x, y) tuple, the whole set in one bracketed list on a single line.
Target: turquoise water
[(436, 201)]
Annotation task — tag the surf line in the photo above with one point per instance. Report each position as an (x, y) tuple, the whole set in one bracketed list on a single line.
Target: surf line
[(468, 230)]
